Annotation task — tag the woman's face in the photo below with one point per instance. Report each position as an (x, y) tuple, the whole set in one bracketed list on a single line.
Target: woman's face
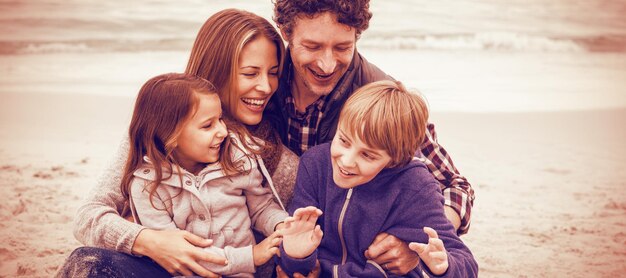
[(256, 80)]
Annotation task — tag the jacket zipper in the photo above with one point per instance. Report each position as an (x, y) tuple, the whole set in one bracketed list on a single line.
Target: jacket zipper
[(344, 250)]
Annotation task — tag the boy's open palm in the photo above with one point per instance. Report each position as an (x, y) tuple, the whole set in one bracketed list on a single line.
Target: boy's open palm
[(301, 235), (433, 254)]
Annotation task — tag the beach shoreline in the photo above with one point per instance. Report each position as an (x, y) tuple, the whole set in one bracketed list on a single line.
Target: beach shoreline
[(549, 185)]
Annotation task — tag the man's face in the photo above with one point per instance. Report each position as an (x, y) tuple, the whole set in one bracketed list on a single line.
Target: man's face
[(321, 51)]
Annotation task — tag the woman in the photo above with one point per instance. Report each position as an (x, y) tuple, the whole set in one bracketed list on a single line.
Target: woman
[(230, 51)]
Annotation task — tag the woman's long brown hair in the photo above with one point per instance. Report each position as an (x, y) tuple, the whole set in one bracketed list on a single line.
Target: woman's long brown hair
[(215, 57)]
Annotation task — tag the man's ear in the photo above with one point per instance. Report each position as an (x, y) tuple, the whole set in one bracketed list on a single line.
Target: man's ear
[(283, 34)]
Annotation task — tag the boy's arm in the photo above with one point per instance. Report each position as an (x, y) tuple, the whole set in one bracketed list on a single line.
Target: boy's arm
[(425, 208), (305, 195), (458, 193)]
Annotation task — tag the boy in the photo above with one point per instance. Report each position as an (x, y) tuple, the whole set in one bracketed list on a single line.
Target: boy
[(365, 182)]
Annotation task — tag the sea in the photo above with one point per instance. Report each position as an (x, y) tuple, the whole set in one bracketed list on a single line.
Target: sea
[(462, 55)]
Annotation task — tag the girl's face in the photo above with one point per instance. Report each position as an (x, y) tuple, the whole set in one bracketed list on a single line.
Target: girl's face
[(202, 135), (256, 80), (354, 162)]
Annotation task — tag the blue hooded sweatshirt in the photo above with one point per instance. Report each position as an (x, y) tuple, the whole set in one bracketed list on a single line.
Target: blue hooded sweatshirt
[(399, 201)]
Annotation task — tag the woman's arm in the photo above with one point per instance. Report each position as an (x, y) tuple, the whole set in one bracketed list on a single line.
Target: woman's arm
[(98, 223)]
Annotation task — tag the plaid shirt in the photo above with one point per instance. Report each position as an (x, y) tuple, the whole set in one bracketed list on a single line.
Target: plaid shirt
[(458, 193), (302, 126)]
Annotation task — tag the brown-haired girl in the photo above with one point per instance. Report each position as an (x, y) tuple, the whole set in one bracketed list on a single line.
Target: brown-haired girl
[(185, 171)]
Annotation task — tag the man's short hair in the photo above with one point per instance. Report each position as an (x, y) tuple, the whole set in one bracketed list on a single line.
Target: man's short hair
[(354, 13), (384, 115)]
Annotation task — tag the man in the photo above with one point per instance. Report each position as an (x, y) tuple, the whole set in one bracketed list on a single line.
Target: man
[(321, 71)]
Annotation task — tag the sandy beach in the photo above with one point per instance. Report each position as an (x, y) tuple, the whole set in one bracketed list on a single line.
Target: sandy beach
[(549, 185)]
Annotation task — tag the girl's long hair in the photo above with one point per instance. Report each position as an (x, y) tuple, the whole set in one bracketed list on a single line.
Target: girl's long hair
[(163, 105)]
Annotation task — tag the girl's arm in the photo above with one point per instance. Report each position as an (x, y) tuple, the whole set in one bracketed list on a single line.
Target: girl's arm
[(264, 212)]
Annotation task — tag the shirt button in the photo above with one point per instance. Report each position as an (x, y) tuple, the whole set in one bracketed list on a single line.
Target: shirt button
[(201, 216), (188, 182), (145, 171)]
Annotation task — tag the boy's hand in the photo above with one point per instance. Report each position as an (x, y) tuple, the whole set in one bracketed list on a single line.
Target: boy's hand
[(266, 249), (433, 254), (301, 236)]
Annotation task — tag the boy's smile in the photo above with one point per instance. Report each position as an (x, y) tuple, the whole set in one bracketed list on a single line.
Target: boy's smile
[(354, 162)]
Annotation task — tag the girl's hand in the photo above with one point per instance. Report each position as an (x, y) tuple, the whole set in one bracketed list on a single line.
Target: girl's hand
[(176, 251), (266, 249), (301, 236), (433, 254)]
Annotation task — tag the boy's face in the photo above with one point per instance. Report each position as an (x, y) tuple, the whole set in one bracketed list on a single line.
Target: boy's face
[(354, 162)]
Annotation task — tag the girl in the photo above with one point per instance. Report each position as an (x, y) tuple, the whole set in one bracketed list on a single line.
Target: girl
[(185, 171)]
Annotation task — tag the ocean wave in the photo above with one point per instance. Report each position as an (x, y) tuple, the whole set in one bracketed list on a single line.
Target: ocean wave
[(93, 46), (500, 41), (479, 42)]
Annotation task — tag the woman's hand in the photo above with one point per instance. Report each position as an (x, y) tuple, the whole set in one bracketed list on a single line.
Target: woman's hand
[(176, 251), (301, 235), (266, 249), (392, 254), (433, 254)]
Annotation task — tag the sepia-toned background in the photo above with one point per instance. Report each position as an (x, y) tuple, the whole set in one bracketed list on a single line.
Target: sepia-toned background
[(529, 97)]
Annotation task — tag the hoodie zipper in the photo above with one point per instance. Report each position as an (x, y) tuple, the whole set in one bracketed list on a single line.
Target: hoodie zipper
[(344, 250)]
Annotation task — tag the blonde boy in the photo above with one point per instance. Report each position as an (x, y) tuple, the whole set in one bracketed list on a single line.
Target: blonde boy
[(367, 182)]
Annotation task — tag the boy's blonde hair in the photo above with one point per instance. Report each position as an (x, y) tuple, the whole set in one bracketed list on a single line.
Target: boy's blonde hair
[(384, 115)]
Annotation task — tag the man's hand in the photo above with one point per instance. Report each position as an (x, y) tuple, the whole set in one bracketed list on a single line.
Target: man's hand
[(392, 254), (433, 254), (176, 251), (313, 274)]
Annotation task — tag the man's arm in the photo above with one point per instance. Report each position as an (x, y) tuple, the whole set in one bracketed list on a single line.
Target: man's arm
[(457, 192)]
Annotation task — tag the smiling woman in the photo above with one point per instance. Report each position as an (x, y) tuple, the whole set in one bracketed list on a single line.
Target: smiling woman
[(257, 79), (241, 54), (249, 69)]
